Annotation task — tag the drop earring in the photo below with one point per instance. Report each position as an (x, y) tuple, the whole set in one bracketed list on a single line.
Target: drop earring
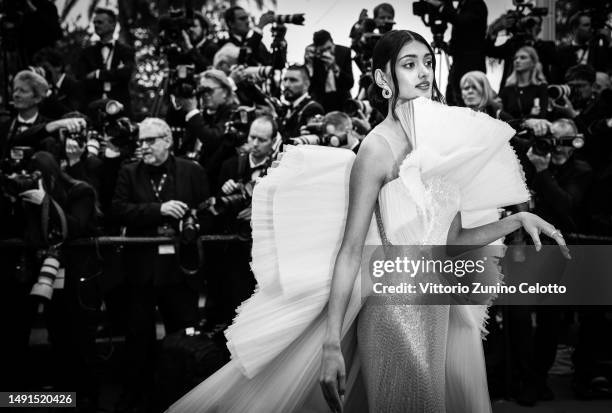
[(386, 92)]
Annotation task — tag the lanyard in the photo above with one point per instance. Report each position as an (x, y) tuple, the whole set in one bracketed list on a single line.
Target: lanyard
[(158, 188)]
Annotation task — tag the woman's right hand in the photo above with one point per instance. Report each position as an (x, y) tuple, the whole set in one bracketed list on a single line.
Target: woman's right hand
[(333, 376)]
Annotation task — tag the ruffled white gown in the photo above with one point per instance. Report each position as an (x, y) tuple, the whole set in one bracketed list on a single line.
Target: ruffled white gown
[(400, 358)]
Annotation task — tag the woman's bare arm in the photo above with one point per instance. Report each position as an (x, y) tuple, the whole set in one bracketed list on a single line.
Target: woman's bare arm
[(368, 174), (461, 239)]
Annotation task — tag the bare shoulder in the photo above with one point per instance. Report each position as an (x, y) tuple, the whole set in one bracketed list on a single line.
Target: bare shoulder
[(375, 159)]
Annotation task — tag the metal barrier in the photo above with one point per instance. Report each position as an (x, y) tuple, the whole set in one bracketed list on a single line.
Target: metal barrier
[(82, 242), (116, 240)]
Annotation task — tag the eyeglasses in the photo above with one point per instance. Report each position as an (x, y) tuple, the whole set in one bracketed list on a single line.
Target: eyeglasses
[(208, 90), (148, 141)]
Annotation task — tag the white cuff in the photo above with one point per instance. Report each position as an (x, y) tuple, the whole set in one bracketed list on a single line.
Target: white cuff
[(191, 114)]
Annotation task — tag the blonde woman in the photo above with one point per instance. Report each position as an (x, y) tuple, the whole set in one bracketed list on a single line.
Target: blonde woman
[(477, 94), (524, 95)]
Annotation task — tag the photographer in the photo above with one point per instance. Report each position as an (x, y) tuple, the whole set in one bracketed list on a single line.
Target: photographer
[(559, 183), (29, 127), (525, 31), (252, 51), (339, 125), (206, 128), (330, 69), (152, 198), (299, 106), (80, 162), (586, 47), (467, 44), (590, 111), (199, 48), (105, 69), (57, 209)]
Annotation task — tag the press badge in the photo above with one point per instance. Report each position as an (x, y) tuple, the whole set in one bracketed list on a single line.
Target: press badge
[(166, 249)]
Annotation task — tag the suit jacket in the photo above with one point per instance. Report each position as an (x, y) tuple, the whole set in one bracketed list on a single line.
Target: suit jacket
[(35, 136), (135, 206), (67, 98), (600, 57), (255, 52), (295, 117), (344, 80), (469, 22), (119, 74)]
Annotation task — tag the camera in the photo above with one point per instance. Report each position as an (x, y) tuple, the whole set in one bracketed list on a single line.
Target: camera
[(237, 128), (234, 202), (183, 81), (306, 140), (113, 125), (259, 72), (189, 227), (543, 145), (558, 92), (334, 140), (171, 27), (297, 19), (49, 272), (432, 18), (14, 177), (547, 144), (316, 125)]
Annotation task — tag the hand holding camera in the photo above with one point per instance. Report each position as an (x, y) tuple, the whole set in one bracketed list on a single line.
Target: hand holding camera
[(229, 187), (540, 162), (265, 19), (174, 209), (540, 127), (74, 151), (72, 125)]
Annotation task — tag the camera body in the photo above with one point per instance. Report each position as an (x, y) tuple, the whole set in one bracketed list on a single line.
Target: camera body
[(543, 145), (237, 128), (14, 177), (189, 226)]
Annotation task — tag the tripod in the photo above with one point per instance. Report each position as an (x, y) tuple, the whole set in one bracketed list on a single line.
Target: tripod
[(440, 48)]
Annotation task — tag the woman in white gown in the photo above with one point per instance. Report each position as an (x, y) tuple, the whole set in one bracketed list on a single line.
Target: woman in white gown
[(299, 328)]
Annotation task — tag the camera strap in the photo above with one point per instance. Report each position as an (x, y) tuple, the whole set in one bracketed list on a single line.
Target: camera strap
[(45, 216)]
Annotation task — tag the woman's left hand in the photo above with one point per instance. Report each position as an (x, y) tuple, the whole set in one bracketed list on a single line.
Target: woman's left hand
[(34, 196), (534, 226)]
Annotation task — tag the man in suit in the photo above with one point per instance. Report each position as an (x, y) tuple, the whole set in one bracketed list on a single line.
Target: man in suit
[(30, 127), (586, 48), (252, 51), (467, 44), (106, 67), (300, 107), (331, 73), (151, 198)]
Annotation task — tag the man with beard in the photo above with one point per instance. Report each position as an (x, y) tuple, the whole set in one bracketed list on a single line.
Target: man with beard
[(152, 197), (300, 106)]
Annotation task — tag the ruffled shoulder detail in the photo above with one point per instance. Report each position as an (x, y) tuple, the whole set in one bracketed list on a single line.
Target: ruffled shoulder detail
[(468, 149)]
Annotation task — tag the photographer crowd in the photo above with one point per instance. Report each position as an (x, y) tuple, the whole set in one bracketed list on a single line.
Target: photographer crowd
[(78, 162)]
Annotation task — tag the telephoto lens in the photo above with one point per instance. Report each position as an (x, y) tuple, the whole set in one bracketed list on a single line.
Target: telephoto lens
[(47, 276)]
